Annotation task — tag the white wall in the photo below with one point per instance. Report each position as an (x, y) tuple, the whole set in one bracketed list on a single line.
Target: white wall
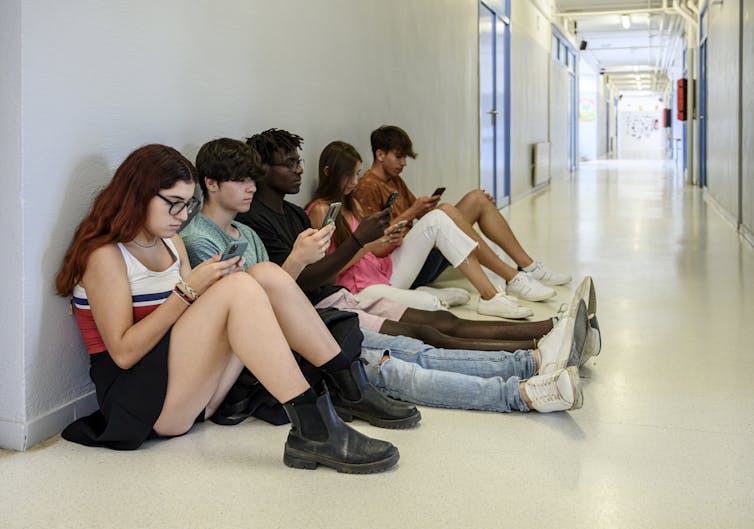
[(12, 414), (722, 105), (559, 123), (747, 143), (530, 62), (98, 79)]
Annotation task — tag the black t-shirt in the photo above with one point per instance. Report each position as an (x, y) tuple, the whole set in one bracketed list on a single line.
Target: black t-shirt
[(278, 232)]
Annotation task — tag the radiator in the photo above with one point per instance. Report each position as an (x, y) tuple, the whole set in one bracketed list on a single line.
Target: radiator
[(540, 163)]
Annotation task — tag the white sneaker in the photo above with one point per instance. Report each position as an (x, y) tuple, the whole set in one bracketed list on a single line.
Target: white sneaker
[(593, 343), (561, 313), (563, 346), (544, 275), (451, 296), (503, 306), (585, 291), (525, 287), (558, 391)]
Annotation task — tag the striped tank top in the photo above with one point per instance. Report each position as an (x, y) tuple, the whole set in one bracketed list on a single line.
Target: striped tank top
[(149, 289)]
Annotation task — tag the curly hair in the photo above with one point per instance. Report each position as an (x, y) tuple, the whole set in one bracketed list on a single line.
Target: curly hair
[(273, 141)]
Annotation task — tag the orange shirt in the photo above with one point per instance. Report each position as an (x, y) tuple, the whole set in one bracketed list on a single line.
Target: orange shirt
[(371, 193)]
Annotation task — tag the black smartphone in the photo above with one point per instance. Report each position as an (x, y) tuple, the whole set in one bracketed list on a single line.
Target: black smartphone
[(332, 212), (390, 200), (438, 192), (234, 249)]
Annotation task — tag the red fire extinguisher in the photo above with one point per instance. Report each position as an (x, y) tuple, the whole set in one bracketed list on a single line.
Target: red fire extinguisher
[(681, 99)]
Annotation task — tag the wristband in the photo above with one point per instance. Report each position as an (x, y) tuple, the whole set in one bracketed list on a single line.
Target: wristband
[(187, 290), (357, 240), (177, 291)]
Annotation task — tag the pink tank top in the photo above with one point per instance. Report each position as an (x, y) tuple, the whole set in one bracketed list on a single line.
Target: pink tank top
[(369, 270)]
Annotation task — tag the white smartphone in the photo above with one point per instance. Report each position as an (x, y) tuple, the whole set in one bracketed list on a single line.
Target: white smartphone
[(332, 213)]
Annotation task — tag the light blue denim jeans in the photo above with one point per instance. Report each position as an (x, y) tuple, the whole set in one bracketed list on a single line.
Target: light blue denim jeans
[(447, 378)]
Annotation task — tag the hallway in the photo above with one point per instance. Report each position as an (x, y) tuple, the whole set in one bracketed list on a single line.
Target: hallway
[(664, 438)]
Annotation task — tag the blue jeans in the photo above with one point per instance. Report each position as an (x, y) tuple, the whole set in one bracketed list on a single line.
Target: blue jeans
[(447, 378)]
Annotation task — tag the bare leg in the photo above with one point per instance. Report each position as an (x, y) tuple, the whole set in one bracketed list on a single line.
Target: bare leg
[(435, 338), (303, 329), (484, 253), (471, 268), (233, 315), (477, 208), (450, 324)]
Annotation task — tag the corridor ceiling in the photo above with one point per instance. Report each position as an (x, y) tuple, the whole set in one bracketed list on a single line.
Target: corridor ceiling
[(636, 58)]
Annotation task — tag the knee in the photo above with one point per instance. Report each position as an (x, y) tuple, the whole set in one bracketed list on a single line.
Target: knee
[(241, 285), (448, 210), (442, 216), (479, 199), (269, 275), (477, 196)]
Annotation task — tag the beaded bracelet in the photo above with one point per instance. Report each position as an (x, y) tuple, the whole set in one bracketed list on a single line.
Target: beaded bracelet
[(187, 290), (187, 300)]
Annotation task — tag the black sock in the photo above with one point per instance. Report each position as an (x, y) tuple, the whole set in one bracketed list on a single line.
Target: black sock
[(339, 362)]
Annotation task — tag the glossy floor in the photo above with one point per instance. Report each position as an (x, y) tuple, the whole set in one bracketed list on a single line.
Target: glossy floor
[(665, 437)]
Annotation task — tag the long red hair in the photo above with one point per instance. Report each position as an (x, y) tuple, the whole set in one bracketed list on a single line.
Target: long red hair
[(119, 210)]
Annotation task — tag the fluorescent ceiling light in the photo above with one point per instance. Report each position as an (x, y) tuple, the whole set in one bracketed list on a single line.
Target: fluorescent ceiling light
[(626, 21)]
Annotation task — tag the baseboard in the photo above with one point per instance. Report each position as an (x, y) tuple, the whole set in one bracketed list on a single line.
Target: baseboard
[(726, 215), (12, 435), (747, 235), (22, 436)]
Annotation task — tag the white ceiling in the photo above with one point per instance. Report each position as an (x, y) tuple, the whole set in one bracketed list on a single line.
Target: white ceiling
[(638, 58)]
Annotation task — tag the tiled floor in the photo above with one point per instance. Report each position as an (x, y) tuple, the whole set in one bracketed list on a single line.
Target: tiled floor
[(665, 437)]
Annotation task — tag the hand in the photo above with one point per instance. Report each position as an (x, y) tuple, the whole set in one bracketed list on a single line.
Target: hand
[(394, 235), (424, 205), (373, 227), (207, 273), (311, 245)]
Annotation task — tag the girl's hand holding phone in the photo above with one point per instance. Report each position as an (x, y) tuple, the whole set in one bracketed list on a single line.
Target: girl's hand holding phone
[(207, 273)]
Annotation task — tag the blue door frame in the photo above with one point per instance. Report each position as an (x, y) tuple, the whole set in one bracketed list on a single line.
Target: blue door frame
[(702, 99), (500, 63)]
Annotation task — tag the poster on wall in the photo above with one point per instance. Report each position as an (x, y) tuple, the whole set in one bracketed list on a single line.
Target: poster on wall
[(587, 110)]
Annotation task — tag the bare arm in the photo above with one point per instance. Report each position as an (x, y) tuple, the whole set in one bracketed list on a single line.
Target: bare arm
[(109, 294), (310, 246), (327, 268)]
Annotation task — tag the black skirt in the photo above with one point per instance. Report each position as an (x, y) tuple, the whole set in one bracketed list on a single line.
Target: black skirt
[(130, 400)]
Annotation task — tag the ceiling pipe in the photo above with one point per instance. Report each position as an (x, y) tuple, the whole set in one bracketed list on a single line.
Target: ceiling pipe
[(694, 8), (679, 8), (618, 12)]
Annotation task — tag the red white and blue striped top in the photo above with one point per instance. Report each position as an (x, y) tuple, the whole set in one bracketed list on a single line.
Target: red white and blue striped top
[(149, 289)]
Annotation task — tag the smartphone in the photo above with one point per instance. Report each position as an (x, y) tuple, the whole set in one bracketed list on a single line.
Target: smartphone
[(234, 249), (398, 226), (438, 192), (332, 213), (390, 200)]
